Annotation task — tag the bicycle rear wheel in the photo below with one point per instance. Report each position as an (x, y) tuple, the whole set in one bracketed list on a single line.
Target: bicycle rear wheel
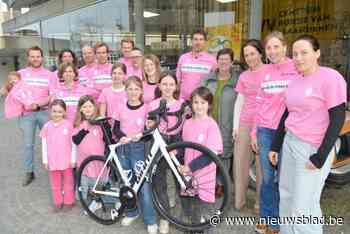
[(104, 209), (208, 195)]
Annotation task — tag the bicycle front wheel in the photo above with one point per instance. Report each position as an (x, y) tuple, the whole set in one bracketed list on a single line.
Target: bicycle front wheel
[(103, 208), (208, 187)]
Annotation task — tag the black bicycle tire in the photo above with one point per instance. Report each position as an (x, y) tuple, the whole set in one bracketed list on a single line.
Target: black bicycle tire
[(226, 184), (84, 205)]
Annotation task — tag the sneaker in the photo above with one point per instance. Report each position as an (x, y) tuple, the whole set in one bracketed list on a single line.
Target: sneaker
[(272, 231), (28, 178), (127, 221), (163, 226), (152, 229), (93, 207), (261, 228)]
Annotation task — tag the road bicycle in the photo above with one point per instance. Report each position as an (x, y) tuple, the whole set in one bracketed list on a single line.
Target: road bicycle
[(107, 191)]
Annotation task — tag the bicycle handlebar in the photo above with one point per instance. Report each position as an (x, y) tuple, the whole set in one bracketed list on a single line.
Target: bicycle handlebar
[(162, 112)]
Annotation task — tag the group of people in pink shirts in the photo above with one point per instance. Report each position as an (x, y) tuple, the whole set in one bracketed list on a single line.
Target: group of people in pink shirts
[(284, 112)]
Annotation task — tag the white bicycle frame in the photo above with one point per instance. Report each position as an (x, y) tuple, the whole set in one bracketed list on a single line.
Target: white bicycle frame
[(159, 144)]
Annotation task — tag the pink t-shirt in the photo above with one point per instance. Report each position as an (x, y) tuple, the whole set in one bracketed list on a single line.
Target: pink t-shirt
[(38, 81), (308, 99), (101, 76), (172, 120), (270, 99), (148, 92), (128, 64), (55, 81), (112, 98), (59, 144), (248, 85), (131, 121), (92, 144), (85, 74), (70, 96), (191, 69), (206, 132), (135, 72), (13, 107)]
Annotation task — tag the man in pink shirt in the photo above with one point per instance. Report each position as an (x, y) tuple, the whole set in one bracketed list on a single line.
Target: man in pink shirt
[(136, 68), (127, 45), (37, 81), (101, 75), (194, 65), (89, 57)]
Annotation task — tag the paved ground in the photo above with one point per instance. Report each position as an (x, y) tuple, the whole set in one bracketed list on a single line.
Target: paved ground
[(27, 210)]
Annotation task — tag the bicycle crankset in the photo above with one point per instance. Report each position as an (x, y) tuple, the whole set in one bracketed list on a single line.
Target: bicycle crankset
[(128, 198)]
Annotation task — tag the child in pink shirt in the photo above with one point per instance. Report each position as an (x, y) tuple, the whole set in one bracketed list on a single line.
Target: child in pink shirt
[(112, 96), (201, 129), (87, 137), (59, 155), (167, 90), (129, 125), (13, 107), (151, 71)]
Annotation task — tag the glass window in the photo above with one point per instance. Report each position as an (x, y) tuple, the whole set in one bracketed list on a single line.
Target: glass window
[(167, 26)]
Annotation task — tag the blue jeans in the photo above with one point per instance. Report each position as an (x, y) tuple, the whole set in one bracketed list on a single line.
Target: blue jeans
[(28, 124), (132, 157), (269, 196)]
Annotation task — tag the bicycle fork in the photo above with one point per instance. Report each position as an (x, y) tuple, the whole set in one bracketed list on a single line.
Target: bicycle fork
[(171, 160)]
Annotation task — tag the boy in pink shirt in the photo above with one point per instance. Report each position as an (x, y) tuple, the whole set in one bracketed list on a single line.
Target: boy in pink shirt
[(194, 65), (59, 155), (37, 81)]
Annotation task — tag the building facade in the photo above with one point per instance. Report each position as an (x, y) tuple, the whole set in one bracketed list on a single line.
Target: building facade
[(163, 27)]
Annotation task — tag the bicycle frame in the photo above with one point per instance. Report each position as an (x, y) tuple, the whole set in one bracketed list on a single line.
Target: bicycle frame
[(159, 144)]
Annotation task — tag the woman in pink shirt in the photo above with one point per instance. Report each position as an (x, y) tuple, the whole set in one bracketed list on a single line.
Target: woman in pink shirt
[(59, 155), (248, 86), (68, 89), (270, 107), (201, 129), (130, 122), (311, 124), (151, 71), (111, 97), (65, 56)]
